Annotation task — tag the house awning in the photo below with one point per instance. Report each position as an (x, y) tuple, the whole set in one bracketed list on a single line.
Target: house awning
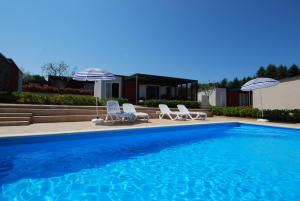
[(159, 80)]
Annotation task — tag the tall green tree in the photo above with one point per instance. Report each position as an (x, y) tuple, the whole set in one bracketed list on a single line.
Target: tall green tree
[(271, 71), (236, 83), (244, 80), (293, 70), (282, 72), (223, 83), (261, 72)]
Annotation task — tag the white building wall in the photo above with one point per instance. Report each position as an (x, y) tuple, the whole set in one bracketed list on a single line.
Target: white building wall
[(285, 95), (217, 97)]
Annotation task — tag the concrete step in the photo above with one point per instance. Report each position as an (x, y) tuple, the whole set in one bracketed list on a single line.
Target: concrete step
[(60, 112), (36, 106), (15, 119), (50, 112), (14, 123), (15, 114), (72, 118), (64, 118)]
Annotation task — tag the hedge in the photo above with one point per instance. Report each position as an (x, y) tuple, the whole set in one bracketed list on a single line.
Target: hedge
[(273, 115), (172, 103), (50, 89), (51, 99)]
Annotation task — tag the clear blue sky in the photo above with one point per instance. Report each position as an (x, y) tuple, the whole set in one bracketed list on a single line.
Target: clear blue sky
[(204, 40)]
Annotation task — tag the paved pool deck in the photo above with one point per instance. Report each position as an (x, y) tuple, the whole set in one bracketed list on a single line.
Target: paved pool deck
[(65, 127)]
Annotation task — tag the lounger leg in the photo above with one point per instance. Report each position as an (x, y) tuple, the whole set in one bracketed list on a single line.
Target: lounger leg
[(171, 117), (161, 116), (112, 119)]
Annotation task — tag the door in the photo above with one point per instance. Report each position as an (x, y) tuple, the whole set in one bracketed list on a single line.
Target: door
[(115, 90)]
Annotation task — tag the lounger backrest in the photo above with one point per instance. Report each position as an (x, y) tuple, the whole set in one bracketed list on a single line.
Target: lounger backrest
[(164, 109), (127, 107), (183, 109), (113, 107)]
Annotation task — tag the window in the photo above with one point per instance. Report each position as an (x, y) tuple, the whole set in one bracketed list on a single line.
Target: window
[(169, 93), (243, 99), (152, 92), (108, 90)]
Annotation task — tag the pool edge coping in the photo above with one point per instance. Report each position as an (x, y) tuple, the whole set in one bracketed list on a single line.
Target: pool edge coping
[(108, 129), (142, 127)]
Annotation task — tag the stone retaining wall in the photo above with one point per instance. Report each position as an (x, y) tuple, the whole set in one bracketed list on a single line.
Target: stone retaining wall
[(66, 113)]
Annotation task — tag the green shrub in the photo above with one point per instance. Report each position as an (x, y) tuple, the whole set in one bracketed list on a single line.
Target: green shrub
[(52, 99), (6, 97), (32, 98), (172, 103), (273, 115), (283, 115)]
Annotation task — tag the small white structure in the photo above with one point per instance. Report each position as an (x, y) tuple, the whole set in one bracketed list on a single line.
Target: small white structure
[(107, 89), (217, 98)]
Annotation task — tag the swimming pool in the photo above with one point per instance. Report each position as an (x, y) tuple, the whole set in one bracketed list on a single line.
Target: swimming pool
[(231, 161)]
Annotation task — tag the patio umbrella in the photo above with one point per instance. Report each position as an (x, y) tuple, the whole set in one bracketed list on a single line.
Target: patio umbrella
[(94, 74), (259, 83)]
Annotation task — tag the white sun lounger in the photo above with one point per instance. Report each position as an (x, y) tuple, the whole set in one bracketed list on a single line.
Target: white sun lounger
[(165, 111), (114, 113), (129, 108), (198, 115)]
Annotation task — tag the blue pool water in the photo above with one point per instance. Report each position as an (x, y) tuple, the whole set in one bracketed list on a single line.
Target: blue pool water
[(214, 162)]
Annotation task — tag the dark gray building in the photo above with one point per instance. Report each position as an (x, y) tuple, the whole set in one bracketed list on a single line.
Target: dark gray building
[(10, 75)]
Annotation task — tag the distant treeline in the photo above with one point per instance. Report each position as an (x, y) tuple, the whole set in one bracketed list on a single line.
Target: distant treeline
[(271, 71)]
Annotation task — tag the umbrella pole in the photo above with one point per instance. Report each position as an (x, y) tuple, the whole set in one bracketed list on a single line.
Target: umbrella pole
[(249, 98), (96, 104), (97, 108), (261, 104)]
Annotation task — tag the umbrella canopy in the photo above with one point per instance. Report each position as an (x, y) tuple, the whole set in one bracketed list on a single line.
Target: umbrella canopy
[(259, 83), (93, 74)]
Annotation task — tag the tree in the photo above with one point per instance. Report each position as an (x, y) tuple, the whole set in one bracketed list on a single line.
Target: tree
[(57, 69), (281, 72), (208, 88), (223, 83), (243, 81), (261, 72), (293, 70), (271, 71), (235, 84)]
